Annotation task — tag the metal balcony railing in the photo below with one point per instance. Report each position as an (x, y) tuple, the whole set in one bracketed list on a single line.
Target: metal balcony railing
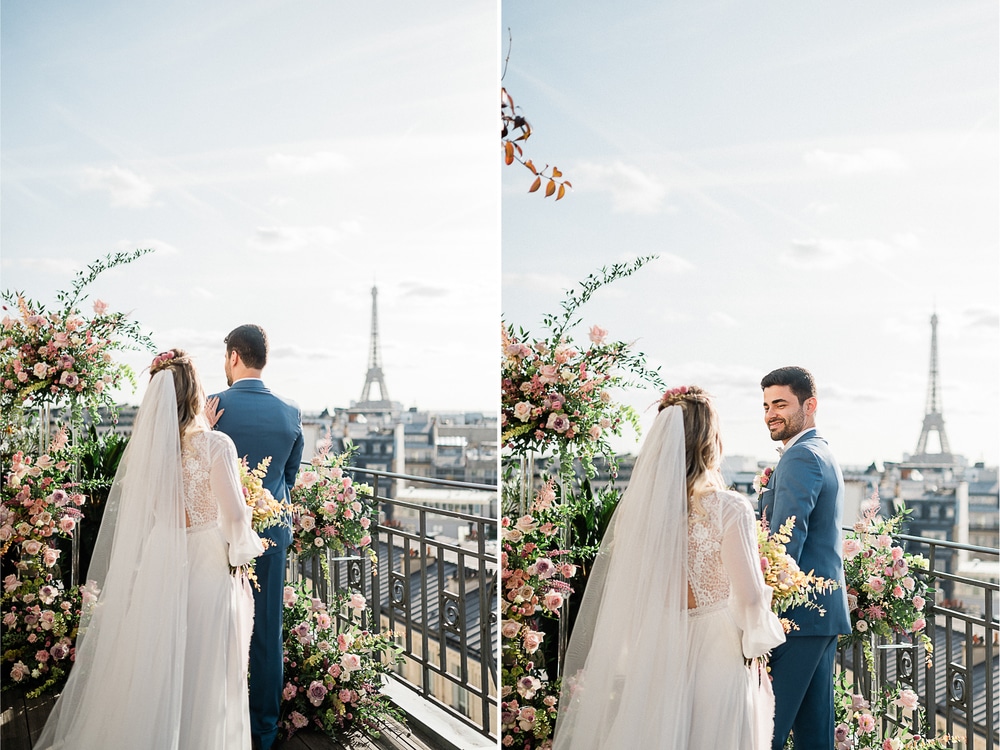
[(959, 687), (436, 585)]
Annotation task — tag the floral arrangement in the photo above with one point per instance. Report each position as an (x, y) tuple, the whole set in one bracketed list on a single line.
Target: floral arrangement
[(48, 357), (885, 592), (333, 676), (40, 622), (535, 575), (790, 585), (858, 721), (36, 506), (330, 511), (555, 394)]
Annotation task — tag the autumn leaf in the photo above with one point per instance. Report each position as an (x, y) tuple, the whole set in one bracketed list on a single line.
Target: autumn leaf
[(550, 188), (562, 192), (535, 185)]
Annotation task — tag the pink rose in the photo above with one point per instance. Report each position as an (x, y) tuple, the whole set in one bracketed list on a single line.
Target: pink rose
[(548, 374), (19, 671), (66, 524), (100, 307), (594, 432), (552, 600), (307, 479), (334, 671), (345, 695), (290, 596), (365, 541), (557, 422), (876, 584), (897, 591), (525, 524), (532, 640), (40, 370), (316, 692), (597, 334), (919, 624), (357, 601), (298, 720), (289, 692), (31, 547), (907, 699), (866, 724), (350, 662), (919, 602), (527, 686), (851, 548), (510, 628), (522, 410), (323, 621)]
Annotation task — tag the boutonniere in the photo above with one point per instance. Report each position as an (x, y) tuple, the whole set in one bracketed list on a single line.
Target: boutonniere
[(762, 478)]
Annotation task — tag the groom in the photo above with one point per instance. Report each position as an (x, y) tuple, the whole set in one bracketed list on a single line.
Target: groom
[(807, 484), (262, 424)]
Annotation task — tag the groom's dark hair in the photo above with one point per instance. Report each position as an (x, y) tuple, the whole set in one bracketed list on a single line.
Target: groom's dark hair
[(799, 379), (250, 342)]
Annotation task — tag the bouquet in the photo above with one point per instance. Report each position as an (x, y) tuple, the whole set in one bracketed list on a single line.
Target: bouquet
[(791, 586), (333, 679), (885, 593), (330, 511), (265, 509)]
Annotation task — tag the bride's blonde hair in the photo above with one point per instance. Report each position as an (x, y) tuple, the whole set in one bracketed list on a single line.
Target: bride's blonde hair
[(187, 385), (702, 443)]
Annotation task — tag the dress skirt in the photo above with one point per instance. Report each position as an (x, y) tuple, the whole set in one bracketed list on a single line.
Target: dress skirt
[(730, 705), (215, 705)]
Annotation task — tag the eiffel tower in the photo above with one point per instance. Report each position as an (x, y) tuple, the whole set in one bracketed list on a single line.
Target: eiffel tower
[(933, 419), (374, 376)]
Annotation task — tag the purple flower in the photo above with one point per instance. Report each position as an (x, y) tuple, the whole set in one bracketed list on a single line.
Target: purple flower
[(316, 692)]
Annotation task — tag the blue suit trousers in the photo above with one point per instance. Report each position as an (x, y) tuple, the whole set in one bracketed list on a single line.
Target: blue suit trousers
[(802, 668)]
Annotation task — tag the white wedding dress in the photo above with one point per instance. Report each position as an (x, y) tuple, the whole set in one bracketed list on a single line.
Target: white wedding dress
[(642, 669), (732, 621), (161, 660)]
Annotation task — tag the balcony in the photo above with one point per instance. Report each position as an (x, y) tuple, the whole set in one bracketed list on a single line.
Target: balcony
[(438, 591)]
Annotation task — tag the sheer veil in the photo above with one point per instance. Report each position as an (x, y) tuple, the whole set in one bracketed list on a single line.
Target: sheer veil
[(625, 674), (125, 687)]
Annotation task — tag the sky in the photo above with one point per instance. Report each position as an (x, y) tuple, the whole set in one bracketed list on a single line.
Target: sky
[(817, 180), (281, 158)]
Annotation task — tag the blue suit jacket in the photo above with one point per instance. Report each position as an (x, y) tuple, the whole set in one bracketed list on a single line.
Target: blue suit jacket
[(807, 484), (263, 424)]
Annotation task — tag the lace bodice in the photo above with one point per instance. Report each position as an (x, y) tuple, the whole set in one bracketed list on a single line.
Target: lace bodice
[(715, 538)]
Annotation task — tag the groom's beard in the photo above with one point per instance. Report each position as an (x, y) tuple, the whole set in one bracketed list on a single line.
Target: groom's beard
[(787, 428)]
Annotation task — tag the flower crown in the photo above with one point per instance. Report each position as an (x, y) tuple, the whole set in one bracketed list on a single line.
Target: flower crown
[(673, 396), (160, 361)]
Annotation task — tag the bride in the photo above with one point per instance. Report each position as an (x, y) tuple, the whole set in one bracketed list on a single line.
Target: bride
[(161, 658), (675, 604)]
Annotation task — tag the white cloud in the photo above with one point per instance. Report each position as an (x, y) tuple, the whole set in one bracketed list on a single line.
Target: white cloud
[(125, 187), (320, 161), (160, 248), (835, 253), (816, 208), (981, 318), (632, 190), (292, 239), (57, 266), (865, 161)]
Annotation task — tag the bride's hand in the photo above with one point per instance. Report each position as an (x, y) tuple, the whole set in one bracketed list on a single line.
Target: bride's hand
[(210, 411)]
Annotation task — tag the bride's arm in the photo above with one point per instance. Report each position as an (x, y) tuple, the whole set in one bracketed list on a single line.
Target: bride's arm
[(234, 514), (750, 598)]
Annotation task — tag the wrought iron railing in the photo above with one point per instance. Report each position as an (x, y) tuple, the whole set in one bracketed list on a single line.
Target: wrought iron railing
[(438, 592), (958, 686)]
